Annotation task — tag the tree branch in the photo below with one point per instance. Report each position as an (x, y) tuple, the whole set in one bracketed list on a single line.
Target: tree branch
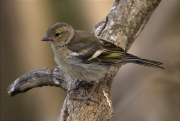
[(38, 78), (122, 25)]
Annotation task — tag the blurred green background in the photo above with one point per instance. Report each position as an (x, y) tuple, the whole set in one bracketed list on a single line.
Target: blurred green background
[(138, 93)]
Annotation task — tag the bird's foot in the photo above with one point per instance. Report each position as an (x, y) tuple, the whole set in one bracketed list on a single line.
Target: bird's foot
[(80, 83), (88, 97)]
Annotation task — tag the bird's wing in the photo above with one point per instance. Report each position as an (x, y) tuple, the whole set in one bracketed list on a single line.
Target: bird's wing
[(111, 54), (91, 49)]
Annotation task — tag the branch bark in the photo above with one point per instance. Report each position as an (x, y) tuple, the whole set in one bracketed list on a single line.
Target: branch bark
[(122, 25)]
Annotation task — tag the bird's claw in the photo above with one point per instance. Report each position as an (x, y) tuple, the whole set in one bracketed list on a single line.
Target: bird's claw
[(87, 98)]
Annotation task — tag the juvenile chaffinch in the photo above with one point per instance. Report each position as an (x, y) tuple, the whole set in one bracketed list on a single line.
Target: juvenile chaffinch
[(85, 57)]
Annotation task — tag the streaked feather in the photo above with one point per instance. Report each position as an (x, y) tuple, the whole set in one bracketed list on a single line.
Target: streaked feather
[(94, 50)]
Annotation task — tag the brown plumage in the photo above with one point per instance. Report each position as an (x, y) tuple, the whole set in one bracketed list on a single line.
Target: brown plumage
[(86, 57)]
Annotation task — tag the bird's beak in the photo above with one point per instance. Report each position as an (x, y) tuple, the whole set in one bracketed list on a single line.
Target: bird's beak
[(47, 38)]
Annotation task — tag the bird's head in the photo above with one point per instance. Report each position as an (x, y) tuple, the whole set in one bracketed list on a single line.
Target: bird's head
[(59, 34)]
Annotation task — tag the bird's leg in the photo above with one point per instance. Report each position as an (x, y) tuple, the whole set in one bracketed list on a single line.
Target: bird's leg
[(80, 83), (88, 97)]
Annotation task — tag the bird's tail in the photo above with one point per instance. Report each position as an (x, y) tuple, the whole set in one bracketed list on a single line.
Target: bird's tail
[(134, 59)]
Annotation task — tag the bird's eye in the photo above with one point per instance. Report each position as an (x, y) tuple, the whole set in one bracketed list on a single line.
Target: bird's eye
[(57, 34)]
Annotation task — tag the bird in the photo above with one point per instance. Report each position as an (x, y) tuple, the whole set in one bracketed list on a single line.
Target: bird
[(86, 57)]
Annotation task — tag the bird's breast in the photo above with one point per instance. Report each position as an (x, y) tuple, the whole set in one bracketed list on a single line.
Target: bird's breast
[(75, 68)]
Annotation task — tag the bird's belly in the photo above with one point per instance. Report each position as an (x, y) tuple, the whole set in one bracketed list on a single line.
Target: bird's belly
[(86, 72)]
